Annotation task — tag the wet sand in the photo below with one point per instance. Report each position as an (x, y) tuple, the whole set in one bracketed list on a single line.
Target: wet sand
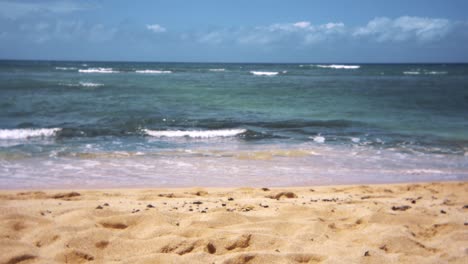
[(398, 223)]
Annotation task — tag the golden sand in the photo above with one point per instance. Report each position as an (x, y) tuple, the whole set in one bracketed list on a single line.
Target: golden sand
[(404, 223)]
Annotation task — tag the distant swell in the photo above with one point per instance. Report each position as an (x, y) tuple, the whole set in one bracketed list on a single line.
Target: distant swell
[(28, 133), (264, 73), (195, 133), (336, 66), (152, 71), (97, 70)]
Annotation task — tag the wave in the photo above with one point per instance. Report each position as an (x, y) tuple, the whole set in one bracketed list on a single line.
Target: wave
[(65, 68), (97, 70), (195, 133), (436, 72), (26, 133), (260, 73), (90, 84), (217, 70), (338, 66), (152, 71), (318, 139), (83, 84), (411, 72), (425, 72)]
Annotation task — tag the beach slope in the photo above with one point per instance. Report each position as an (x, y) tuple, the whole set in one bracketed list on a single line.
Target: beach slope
[(400, 223)]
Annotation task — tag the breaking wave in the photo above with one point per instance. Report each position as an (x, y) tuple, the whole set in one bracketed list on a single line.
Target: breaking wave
[(65, 68), (413, 72), (83, 84), (97, 70), (26, 133), (195, 133), (152, 71), (264, 73), (338, 66)]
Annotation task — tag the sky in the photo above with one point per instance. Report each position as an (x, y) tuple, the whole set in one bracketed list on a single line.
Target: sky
[(344, 31)]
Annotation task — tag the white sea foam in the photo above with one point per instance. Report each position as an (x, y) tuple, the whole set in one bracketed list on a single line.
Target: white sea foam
[(65, 68), (83, 84), (318, 139), (195, 133), (423, 171), (411, 72), (264, 73), (337, 66), (436, 72), (26, 133), (90, 84), (97, 70), (217, 70), (355, 139), (153, 71), (424, 72)]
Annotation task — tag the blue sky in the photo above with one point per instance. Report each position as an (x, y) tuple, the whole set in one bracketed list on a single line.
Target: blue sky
[(236, 31)]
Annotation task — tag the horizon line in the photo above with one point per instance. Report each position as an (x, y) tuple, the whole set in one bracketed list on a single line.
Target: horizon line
[(233, 62)]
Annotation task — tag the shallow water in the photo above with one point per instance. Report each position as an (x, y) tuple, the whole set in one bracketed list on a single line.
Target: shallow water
[(182, 124)]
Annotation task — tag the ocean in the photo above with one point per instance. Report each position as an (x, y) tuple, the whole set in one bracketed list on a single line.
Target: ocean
[(132, 124)]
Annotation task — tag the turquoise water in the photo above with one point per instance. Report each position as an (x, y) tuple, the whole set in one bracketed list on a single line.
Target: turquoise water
[(183, 124)]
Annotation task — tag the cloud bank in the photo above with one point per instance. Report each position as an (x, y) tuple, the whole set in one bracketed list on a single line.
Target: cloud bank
[(30, 28), (405, 28), (380, 30)]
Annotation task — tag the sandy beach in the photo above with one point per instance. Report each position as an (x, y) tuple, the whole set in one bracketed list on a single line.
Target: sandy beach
[(398, 223)]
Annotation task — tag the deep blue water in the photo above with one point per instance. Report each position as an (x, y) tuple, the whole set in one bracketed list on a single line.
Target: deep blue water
[(82, 122)]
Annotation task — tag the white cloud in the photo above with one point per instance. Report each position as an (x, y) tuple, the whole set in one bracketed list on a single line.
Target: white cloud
[(156, 28), (300, 33), (302, 24), (405, 28), (383, 29)]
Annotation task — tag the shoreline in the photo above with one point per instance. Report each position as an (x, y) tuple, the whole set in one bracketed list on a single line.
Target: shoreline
[(365, 223), (175, 187)]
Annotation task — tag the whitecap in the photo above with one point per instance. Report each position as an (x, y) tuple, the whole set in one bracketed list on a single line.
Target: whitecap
[(83, 84), (436, 72), (65, 68), (318, 139), (25, 133), (338, 66), (90, 84), (195, 133), (97, 70), (264, 73), (411, 72), (152, 71), (69, 84), (355, 139), (217, 70)]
